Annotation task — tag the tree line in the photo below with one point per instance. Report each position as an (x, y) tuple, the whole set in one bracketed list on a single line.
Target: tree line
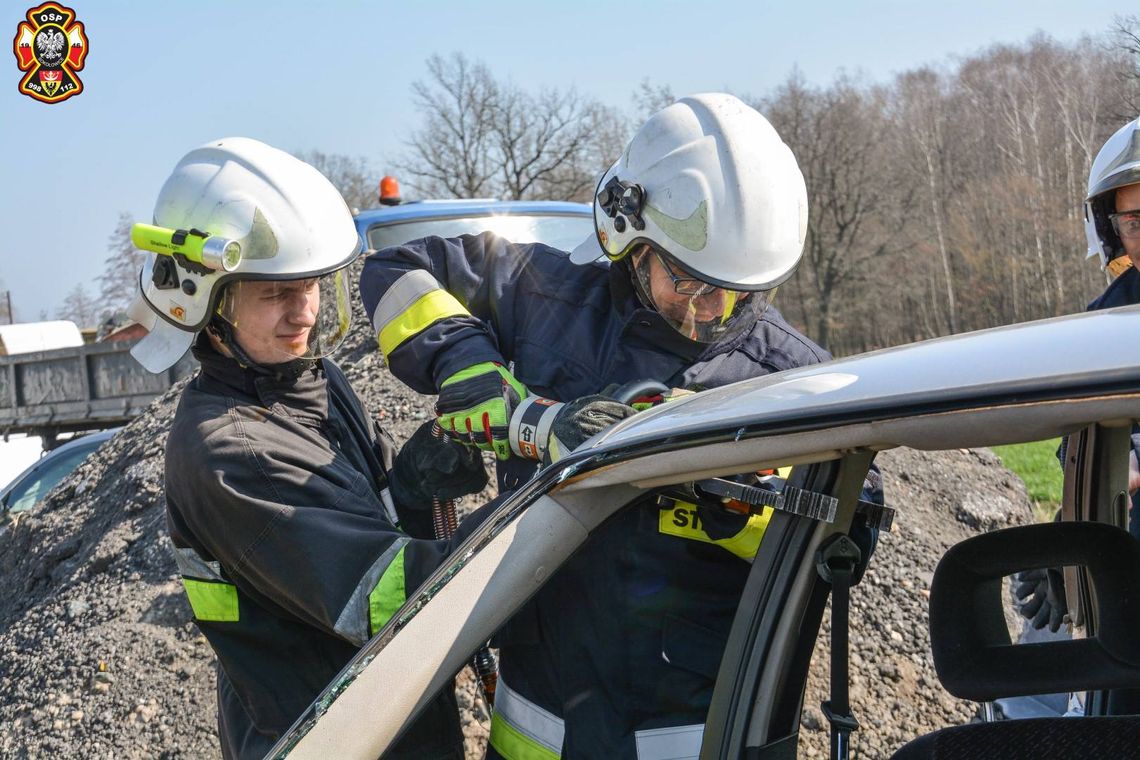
[(947, 199), (951, 199)]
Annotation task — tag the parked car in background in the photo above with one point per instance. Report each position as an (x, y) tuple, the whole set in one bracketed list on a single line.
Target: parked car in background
[(558, 224), (31, 486)]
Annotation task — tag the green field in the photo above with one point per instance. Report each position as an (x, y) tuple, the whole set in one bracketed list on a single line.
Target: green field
[(1036, 463)]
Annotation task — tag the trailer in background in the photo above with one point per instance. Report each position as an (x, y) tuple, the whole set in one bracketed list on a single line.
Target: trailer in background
[(87, 387)]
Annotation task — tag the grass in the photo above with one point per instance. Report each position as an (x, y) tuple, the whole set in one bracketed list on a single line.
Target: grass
[(1036, 464)]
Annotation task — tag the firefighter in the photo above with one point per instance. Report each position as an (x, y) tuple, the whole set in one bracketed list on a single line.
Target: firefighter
[(1112, 226), (1112, 216), (296, 535), (704, 214)]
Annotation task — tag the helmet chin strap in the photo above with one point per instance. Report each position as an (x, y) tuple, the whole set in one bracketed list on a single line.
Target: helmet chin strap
[(223, 331), (626, 263)]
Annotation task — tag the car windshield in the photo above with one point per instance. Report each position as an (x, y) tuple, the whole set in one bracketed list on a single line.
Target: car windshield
[(562, 231), (35, 486)]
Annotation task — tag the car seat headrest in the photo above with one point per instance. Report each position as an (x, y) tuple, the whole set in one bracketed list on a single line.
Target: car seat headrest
[(973, 654)]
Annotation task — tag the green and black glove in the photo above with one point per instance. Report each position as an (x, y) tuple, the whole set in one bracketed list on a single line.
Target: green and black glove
[(428, 466), (475, 406)]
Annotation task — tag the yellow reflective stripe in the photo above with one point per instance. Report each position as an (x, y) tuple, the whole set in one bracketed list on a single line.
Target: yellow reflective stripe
[(424, 312), (212, 601), (388, 595), (513, 744), (682, 520), (785, 472)]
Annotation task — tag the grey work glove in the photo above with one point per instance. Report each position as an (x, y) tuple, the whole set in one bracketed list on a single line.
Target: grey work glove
[(428, 466), (1041, 597), (581, 419)]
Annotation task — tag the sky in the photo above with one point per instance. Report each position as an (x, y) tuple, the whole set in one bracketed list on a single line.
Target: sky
[(162, 78)]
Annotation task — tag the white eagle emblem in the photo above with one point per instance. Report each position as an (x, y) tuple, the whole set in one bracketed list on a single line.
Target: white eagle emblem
[(50, 44)]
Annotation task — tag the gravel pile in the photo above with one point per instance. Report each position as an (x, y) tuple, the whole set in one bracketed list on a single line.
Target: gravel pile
[(99, 657)]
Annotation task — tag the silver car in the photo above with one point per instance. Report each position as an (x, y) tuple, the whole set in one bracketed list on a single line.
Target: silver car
[(1008, 385)]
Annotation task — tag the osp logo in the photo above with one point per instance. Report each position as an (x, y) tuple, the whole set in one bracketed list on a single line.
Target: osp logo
[(51, 47)]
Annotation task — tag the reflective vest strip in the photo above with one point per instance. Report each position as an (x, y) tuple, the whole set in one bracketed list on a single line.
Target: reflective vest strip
[(412, 304), (389, 506), (191, 565), (404, 292), (355, 622), (212, 601), (672, 743), (389, 594), (521, 730)]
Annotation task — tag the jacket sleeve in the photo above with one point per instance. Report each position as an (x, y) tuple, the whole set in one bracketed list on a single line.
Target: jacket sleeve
[(441, 305), (301, 538)]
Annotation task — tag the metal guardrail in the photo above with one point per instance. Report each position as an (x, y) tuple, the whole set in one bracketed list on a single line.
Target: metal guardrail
[(89, 387)]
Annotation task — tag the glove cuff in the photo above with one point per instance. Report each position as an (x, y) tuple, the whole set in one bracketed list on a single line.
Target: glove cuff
[(530, 427)]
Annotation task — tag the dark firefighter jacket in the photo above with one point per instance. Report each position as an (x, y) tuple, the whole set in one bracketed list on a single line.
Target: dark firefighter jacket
[(627, 669), (283, 529)]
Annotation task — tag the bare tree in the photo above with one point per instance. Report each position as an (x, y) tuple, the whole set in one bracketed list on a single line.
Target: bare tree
[(650, 98), (837, 136), (536, 137), (353, 177), (80, 308), (575, 178), (6, 316), (119, 282), (920, 100), (451, 153), (1124, 40), (482, 137)]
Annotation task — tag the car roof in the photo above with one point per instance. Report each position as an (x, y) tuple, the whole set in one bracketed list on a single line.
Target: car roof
[(1034, 381), (436, 209), (85, 440)]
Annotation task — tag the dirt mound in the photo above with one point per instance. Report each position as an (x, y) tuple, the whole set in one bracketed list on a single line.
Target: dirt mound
[(99, 657)]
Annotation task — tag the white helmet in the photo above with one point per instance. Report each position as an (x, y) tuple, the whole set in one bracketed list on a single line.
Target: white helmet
[(707, 182), (708, 185), (236, 210), (1116, 165)]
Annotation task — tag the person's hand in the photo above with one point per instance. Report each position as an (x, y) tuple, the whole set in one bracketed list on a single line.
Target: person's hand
[(1040, 597), (581, 419), (475, 406), (428, 466), (1133, 473)]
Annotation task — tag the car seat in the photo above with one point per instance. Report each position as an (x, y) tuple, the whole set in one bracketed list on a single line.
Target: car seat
[(976, 660)]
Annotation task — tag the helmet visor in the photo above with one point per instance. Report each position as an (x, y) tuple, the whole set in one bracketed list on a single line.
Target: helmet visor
[(700, 311), (276, 321)]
